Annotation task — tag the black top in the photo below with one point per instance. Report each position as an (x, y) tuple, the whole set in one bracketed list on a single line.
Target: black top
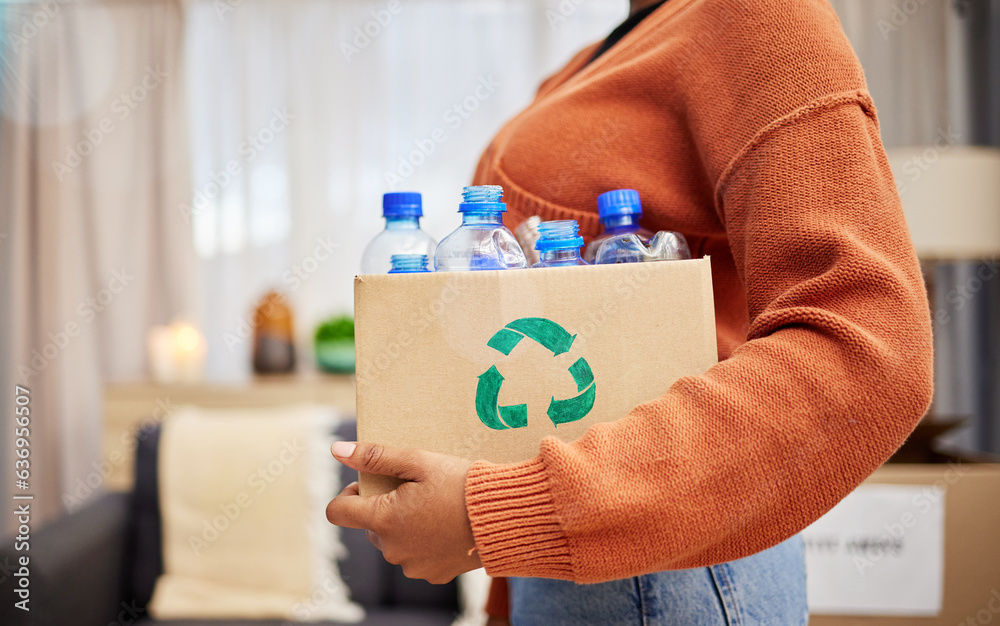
[(624, 28)]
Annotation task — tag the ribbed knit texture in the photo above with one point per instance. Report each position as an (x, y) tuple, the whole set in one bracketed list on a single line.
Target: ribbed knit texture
[(747, 126)]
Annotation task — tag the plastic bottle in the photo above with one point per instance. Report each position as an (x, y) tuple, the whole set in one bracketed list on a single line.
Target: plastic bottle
[(619, 212), (665, 245), (526, 234), (402, 235), (559, 244), (482, 242), (409, 264)]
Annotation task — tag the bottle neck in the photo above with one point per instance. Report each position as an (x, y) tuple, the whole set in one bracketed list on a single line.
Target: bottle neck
[(482, 217), (560, 256), (617, 223), (402, 223)]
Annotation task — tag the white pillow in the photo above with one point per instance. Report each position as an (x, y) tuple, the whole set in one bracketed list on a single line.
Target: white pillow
[(243, 494)]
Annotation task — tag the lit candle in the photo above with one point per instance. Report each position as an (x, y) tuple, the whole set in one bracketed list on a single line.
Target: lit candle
[(176, 353), (189, 352)]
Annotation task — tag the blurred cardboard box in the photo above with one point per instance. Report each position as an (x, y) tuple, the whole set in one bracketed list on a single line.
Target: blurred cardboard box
[(915, 545), (484, 365)]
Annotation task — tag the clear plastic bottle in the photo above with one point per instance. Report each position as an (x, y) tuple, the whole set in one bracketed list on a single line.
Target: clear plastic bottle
[(482, 242), (559, 244), (619, 212), (402, 211), (409, 264), (526, 234), (665, 245)]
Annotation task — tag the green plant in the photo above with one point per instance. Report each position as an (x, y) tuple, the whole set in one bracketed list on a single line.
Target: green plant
[(339, 328)]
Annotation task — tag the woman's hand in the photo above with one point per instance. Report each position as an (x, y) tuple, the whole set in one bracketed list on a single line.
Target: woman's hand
[(422, 524)]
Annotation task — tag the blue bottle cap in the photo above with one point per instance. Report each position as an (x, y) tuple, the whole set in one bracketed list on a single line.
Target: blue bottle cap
[(619, 202), (558, 234), (483, 198), (402, 204)]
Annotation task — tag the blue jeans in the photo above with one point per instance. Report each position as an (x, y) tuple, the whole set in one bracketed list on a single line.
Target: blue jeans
[(766, 588)]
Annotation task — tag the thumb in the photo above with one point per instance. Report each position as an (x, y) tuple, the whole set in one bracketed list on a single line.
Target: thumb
[(372, 458)]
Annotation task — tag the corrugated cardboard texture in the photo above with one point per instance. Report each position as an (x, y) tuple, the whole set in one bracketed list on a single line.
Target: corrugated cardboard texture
[(422, 346), (971, 544)]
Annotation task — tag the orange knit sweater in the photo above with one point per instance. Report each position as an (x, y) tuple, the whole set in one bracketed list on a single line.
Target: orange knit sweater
[(747, 126)]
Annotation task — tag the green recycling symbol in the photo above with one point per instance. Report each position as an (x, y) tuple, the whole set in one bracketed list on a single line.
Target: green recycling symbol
[(553, 337)]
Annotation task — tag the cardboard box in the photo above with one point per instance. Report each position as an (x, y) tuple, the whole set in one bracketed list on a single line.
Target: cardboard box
[(484, 365), (426, 345), (970, 495)]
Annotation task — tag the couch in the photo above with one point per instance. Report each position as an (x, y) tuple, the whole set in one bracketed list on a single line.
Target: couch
[(97, 566)]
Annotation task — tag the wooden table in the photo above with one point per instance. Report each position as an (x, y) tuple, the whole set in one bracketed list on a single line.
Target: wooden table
[(127, 406)]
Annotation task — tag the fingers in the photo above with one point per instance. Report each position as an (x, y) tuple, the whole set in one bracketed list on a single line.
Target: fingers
[(350, 490), (405, 463), (351, 510)]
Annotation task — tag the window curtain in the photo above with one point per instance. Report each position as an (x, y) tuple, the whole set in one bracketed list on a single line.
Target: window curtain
[(983, 348), (93, 163), (933, 68), (914, 55)]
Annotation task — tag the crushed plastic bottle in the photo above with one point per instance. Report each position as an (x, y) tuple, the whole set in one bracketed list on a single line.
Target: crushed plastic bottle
[(619, 212), (559, 244), (664, 246), (482, 242), (402, 235)]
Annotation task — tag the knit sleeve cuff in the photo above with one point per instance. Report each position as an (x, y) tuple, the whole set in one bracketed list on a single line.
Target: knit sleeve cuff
[(514, 521)]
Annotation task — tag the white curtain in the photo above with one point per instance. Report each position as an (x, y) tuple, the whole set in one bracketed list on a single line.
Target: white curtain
[(914, 56), (916, 61), (319, 107), (93, 164)]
